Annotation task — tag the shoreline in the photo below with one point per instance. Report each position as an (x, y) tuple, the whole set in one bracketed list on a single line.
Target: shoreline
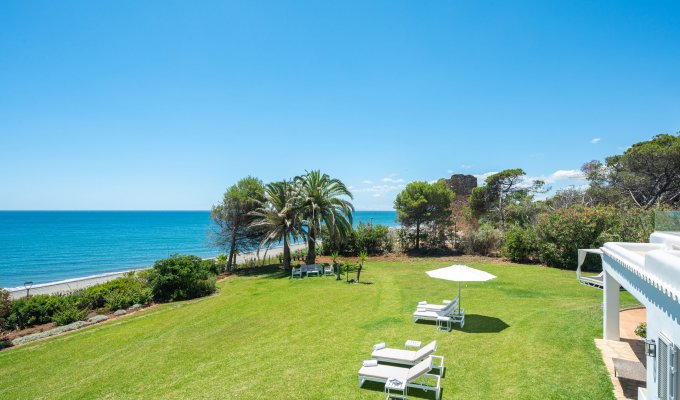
[(73, 284)]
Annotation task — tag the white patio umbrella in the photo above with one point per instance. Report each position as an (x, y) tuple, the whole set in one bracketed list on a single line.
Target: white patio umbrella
[(460, 273)]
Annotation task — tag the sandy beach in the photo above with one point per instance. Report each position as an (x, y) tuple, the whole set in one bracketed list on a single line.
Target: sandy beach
[(71, 285)]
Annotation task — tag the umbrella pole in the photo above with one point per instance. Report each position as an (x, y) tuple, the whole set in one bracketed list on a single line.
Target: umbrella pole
[(458, 298)]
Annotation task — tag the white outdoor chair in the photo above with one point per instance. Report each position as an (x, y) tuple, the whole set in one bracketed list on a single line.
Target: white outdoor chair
[(418, 376), (328, 270), (296, 273), (408, 357)]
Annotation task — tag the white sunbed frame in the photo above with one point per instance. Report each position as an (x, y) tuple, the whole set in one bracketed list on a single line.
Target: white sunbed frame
[(416, 383)]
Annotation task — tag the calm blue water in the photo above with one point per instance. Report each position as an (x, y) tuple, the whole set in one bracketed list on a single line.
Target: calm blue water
[(45, 246)]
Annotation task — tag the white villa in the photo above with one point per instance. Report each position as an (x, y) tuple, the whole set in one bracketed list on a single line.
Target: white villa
[(651, 273)]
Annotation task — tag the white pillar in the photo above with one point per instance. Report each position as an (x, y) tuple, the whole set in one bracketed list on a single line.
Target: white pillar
[(611, 307)]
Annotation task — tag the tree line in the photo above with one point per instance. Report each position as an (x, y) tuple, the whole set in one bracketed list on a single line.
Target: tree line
[(253, 215), (505, 216)]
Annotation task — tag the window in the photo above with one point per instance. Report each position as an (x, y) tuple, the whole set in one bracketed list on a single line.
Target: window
[(667, 355)]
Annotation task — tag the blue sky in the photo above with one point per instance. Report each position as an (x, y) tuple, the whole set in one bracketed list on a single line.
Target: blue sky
[(162, 104)]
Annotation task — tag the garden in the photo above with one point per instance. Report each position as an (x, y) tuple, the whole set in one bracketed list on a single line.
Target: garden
[(264, 335)]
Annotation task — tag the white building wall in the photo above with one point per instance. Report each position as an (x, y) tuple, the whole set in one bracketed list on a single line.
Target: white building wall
[(662, 312)]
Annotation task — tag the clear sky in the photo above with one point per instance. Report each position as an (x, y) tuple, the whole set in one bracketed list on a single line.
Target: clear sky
[(163, 104)]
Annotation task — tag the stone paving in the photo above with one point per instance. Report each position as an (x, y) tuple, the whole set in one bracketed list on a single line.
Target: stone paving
[(631, 347)]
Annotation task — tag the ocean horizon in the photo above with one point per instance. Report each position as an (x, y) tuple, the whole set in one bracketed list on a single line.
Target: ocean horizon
[(47, 246)]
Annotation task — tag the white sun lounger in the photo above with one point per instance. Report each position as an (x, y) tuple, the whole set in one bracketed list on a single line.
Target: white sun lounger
[(408, 357), (417, 376), (450, 311)]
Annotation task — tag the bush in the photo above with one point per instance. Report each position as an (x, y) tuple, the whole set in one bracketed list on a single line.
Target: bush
[(521, 244), (641, 330), (181, 278), (138, 294), (5, 309), (116, 294), (484, 241), (563, 232), (374, 239), (69, 314), (34, 310), (220, 263)]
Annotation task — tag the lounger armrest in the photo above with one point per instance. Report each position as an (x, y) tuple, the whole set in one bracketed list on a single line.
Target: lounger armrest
[(446, 301)]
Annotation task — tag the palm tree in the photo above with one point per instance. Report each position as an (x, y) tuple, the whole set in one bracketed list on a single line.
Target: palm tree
[(278, 218), (320, 202)]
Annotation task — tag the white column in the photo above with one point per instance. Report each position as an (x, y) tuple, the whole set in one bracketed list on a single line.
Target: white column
[(611, 307)]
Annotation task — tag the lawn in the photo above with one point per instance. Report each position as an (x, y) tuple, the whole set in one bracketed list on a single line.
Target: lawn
[(529, 335)]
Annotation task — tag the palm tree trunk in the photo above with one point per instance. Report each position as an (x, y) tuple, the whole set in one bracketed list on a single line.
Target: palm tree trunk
[(311, 246), (286, 253)]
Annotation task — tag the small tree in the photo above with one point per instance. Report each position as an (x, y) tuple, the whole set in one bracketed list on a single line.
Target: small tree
[(502, 188), (363, 255), (334, 256), (422, 203), (233, 216)]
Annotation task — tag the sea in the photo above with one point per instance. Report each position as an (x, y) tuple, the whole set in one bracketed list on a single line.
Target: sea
[(47, 246)]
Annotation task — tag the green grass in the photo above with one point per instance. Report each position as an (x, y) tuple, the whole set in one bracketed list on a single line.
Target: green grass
[(529, 335)]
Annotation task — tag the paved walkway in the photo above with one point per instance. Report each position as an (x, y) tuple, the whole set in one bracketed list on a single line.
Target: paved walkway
[(631, 347)]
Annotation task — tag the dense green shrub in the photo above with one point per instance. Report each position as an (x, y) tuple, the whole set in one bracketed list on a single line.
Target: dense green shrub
[(69, 313), (136, 294), (563, 232), (374, 239), (34, 310), (484, 241), (566, 230), (116, 294), (181, 277), (5, 309), (220, 263), (521, 244)]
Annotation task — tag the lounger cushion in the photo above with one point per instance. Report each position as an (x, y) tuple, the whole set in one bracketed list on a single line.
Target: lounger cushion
[(436, 307), (395, 354), (419, 369), (426, 314), (426, 350), (384, 372)]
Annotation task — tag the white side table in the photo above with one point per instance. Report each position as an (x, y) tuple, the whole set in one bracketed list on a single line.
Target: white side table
[(412, 344), (395, 388), (444, 324)]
